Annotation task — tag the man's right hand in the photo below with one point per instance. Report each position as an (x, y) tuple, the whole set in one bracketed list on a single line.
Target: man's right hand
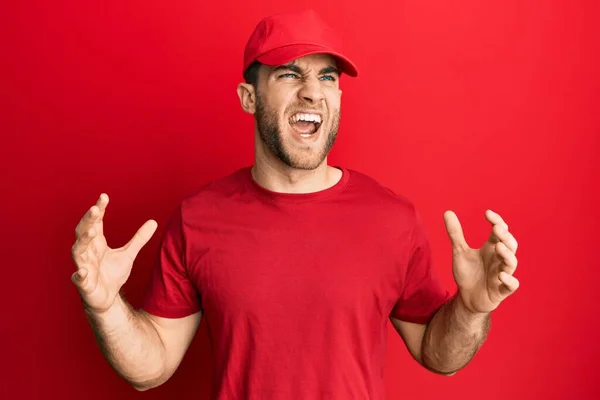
[(102, 271)]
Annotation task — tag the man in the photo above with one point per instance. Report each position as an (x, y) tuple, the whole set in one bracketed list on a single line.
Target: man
[(296, 265)]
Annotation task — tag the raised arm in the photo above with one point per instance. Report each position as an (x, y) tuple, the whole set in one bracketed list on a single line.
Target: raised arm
[(485, 278), (142, 348)]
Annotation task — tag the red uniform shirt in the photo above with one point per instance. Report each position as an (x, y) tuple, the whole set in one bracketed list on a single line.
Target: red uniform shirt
[(296, 289)]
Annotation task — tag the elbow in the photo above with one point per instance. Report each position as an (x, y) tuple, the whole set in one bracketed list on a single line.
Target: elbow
[(437, 371), (442, 373), (435, 366), (141, 388), (147, 383), (445, 373)]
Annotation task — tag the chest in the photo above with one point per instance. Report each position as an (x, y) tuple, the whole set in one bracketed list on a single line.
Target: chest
[(296, 266)]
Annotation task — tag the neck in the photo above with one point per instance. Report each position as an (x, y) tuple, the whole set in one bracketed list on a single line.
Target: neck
[(271, 173)]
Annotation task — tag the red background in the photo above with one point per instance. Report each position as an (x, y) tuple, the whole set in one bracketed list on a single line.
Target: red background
[(461, 105)]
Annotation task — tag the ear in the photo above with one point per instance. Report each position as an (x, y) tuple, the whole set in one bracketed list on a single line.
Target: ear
[(247, 96)]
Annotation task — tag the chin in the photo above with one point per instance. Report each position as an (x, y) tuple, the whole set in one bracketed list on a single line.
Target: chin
[(294, 151), (307, 165), (304, 159)]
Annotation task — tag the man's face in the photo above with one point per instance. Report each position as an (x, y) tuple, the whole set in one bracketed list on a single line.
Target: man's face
[(298, 110)]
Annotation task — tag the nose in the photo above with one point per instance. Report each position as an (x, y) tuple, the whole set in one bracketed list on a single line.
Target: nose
[(311, 91)]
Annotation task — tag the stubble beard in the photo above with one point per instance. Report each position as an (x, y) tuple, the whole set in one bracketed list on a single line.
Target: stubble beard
[(271, 135)]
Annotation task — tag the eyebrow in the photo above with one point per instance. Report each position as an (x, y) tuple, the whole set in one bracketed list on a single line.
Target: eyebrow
[(329, 70), (298, 70)]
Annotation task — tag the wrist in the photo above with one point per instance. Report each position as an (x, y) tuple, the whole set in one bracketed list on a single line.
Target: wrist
[(464, 307), (113, 309)]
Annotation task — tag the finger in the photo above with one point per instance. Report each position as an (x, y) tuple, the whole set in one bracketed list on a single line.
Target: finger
[(87, 221), (509, 284), (508, 258), (141, 237), (82, 243), (495, 218), (94, 214), (85, 279), (78, 277), (455, 231), (80, 274), (102, 203), (500, 234)]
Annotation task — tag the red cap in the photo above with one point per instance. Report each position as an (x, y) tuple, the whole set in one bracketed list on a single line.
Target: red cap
[(281, 38)]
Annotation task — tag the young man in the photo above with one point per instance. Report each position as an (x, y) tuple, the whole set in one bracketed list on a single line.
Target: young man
[(296, 265)]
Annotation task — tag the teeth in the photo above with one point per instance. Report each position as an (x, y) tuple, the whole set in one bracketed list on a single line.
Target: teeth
[(307, 117)]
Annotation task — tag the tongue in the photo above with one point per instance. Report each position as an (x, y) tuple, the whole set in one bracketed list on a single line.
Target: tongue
[(304, 127)]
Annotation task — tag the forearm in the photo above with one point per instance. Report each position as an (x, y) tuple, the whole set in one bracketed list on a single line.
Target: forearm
[(453, 337), (130, 343)]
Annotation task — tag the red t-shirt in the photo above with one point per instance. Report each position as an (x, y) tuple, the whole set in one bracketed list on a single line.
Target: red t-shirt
[(296, 289)]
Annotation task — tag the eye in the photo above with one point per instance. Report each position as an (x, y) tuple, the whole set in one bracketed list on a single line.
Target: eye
[(328, 78), (289, 74)]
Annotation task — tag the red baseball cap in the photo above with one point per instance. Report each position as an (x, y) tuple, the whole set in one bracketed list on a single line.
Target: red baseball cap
[(281, 38)]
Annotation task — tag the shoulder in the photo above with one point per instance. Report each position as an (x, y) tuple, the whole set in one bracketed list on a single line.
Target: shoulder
[(217, 192), (373, 190)]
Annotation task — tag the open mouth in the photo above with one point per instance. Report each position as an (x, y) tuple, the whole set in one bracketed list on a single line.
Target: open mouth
[(306, 124)]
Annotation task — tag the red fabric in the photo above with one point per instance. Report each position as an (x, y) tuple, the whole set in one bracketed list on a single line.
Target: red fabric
[(296, 289), (281, 38)]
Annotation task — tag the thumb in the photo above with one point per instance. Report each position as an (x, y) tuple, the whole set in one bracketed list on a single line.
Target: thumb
[(141, 237), (455, 231)]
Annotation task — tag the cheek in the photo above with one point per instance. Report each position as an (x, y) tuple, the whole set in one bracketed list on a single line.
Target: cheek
[(274, 111), (333, 98), (280, 107), (333, 108)]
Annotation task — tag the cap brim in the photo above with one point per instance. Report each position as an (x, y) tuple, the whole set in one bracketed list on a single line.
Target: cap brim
[(286, 54)]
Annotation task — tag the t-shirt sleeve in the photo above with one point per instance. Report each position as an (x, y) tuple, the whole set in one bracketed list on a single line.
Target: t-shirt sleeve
[(422, 293), (170, 292)]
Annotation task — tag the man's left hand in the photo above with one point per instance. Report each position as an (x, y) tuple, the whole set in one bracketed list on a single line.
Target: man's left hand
[(484, 276)]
